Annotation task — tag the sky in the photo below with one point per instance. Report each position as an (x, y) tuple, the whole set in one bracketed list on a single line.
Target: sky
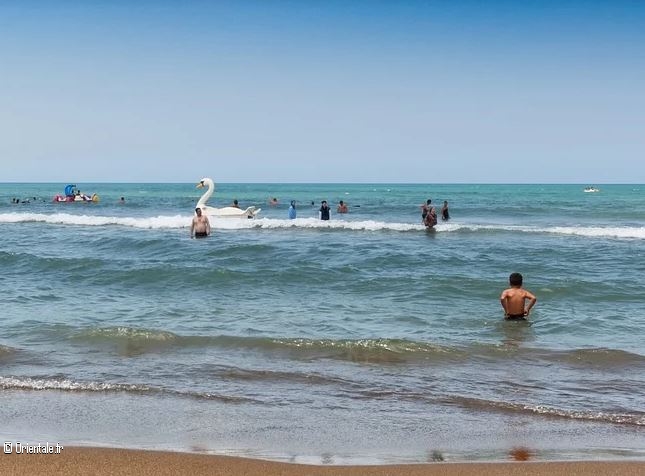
[(322, 91)]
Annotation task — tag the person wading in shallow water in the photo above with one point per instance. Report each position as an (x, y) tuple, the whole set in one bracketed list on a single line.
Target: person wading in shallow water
[(445, 213), (200, 227), (324, 210), (429, 214), (514, 299), (292, 210)]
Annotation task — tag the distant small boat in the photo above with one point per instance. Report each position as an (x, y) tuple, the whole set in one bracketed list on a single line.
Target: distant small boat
[(591, 189)]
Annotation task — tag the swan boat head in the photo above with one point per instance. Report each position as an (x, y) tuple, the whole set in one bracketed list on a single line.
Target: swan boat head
[(205, 182)]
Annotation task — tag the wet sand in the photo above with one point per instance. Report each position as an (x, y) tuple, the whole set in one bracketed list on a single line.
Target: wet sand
[(104, 461)]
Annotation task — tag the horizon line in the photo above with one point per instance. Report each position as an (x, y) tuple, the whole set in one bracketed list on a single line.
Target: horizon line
[(329, 183)]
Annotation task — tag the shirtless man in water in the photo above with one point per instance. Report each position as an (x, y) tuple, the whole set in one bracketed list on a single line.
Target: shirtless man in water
[(200, 227), (514, 299)]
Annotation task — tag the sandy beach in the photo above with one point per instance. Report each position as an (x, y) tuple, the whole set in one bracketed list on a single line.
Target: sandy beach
[(99, 461)]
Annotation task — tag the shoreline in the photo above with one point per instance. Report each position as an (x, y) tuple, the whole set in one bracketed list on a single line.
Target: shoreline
[(115, 461), (324, 437)]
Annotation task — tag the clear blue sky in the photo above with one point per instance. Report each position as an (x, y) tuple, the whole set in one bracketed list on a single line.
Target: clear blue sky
[(322, 91)]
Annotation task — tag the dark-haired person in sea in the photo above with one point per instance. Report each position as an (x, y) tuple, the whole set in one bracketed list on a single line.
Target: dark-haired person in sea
[(514, 299), (324, 210), (428, 214), (200, 227), (292, 210), (445, 214)]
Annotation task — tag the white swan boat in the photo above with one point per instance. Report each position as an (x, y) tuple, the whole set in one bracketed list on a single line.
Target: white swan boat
[(224, 212)]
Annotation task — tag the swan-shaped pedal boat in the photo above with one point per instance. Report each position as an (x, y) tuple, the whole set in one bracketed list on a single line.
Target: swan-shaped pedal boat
[(224, 212)]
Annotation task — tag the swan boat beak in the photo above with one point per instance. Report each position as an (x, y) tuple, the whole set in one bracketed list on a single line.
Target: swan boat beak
[(200, 184)]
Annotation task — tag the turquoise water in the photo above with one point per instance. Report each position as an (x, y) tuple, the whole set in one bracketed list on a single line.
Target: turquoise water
[(361, 339)]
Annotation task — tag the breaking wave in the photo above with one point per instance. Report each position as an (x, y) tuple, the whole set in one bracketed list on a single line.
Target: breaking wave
[(183, 221), (370, 350), (362, 350), (637, 419), (68, 385)]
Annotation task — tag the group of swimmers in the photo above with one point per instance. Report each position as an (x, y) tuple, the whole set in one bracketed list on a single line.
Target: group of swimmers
[(26, 200), (429, 214), (324, 211)]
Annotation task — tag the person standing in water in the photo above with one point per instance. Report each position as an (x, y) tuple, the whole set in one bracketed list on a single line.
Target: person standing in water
[(200, 227), (342, 207), (429, 214), (324, 210), (514, 299), (292, 210), (445, 214)]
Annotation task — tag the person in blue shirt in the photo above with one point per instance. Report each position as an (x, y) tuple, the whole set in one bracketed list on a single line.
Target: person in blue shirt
[(292, 210)]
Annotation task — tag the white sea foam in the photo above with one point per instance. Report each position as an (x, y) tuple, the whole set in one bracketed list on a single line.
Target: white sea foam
[(625, 232), (183, 221), (68, 385), (597, 231), (176, 221), (28, 383), (366, 225)]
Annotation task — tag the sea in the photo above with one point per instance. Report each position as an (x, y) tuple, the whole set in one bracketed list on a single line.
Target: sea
[(364, 339)]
